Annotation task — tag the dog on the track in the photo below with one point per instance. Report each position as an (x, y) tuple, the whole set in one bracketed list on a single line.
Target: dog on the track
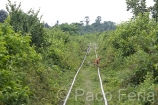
[(96, 61)]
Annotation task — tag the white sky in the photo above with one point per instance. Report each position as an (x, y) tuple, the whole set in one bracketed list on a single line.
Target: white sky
[(75, 10)]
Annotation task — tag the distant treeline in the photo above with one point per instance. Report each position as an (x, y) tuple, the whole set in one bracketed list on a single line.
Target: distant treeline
[(80, 28), (86, 28)]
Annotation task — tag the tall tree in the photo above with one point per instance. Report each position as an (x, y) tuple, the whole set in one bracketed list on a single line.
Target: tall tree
[(87, 20), (97, 25), (57, 22), (81, 23), (154, 10), (3, 15), (98, 20), (137, 6), (46, 25), (26, 23), (70, 28)]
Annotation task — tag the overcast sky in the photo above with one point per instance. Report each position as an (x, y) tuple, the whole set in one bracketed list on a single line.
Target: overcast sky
[(75, 10)]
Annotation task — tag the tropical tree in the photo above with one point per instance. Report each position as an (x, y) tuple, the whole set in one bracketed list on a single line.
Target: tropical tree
[(154, 10), (26, 23), (70, 28), (136, 6), (81, 23), (87, 20), (57, 22), (109, 25), (46, 25), (97, 25), (3, 15), (98, 20)]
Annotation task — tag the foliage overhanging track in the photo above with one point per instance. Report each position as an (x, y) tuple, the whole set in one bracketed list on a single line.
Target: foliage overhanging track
[(101, 84), (68, 94)]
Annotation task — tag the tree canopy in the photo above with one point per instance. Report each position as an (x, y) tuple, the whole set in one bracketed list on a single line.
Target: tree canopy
[(3, 15)]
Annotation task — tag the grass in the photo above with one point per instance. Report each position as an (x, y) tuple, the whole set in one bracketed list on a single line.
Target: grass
[(86, 90)]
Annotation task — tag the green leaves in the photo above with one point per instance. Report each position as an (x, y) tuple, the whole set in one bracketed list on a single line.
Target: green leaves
[(12, 91), (61, 48), (137, 7), (15, 54), (3, 15), (26, 23), (131, 51)]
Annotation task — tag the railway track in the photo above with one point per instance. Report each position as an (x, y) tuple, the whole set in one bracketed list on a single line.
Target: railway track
[(104, 102)]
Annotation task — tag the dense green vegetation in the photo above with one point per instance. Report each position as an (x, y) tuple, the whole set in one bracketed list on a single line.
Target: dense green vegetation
[(35, 62), (130, 61), (82, 29), (96, 27), (3, 15), (38, 60)]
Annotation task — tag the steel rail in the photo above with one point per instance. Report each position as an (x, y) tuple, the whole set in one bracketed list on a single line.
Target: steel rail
[(101, 84), (68, 94)]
